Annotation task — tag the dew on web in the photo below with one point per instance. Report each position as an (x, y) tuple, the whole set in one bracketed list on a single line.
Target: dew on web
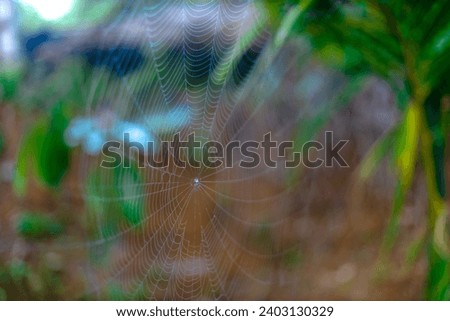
[(189, 233), (196, 183)]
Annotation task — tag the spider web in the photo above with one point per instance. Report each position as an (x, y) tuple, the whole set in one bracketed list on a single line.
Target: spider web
[(156, 233)]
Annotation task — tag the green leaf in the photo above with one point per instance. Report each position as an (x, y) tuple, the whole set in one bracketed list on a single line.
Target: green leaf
[(54, 158), (433, 18), (289, 21), (35, 226), (438, 282), (434, 122), (43, 152), (391, 231), (360, 31), (277, 9), (375, 155), (405, 155), (54, 153), (115, 196), (27, 157), (414, 249), (10, 77), (406, 145)]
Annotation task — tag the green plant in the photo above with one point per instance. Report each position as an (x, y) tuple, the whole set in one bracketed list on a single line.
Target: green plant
[(43, 152), (407, 43), (36, 226)]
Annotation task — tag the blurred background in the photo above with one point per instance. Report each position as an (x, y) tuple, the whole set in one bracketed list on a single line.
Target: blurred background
[(76, 73)]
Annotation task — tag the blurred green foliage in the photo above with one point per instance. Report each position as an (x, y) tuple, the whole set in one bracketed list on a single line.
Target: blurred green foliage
[(20, 281), (10, 78), (292, 258), (407, 43), (54, 155), (117, 196), (35, 226), (43, 154)]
